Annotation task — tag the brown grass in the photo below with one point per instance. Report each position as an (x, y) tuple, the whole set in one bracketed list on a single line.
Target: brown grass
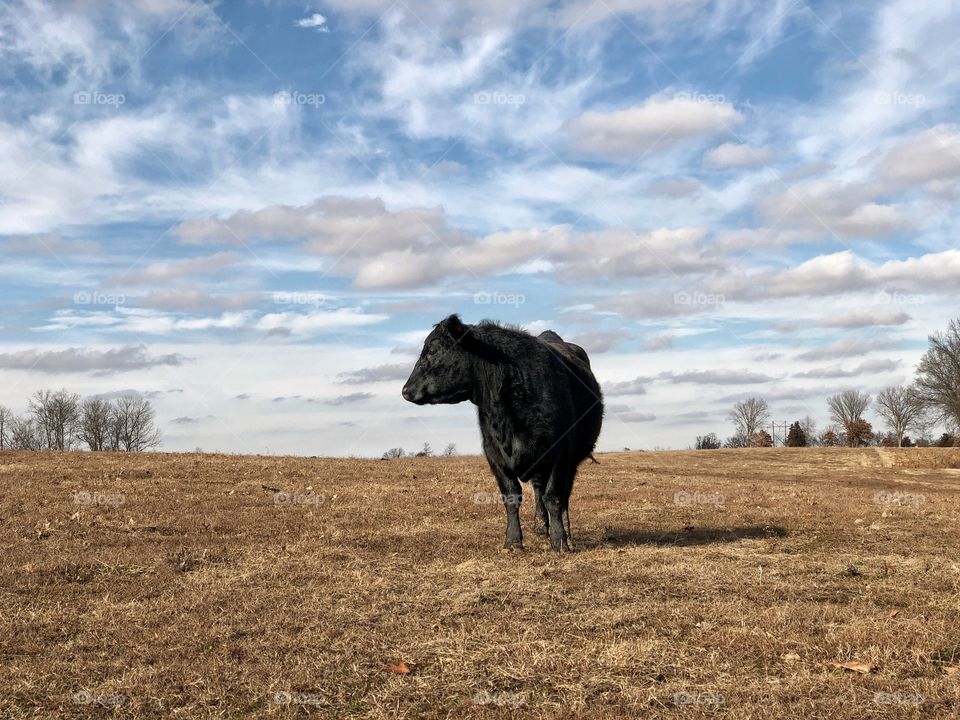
[(705, 584)]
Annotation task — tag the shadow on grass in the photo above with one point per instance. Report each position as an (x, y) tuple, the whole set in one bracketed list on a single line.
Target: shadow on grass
[(621, 537)]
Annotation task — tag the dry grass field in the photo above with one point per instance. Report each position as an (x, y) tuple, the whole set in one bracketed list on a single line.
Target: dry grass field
[(704, 584)]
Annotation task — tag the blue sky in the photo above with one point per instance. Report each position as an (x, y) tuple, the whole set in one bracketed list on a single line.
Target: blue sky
[(253, 211)]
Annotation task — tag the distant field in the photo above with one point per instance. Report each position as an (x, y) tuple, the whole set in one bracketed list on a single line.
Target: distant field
[(704, 584)]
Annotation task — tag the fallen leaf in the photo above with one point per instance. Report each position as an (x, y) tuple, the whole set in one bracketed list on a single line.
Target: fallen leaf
[(398, 666), (854, 666), (951, 669), (791, 657), (892, 614)]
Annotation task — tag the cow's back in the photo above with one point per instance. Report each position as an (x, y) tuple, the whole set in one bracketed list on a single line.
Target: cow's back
[(584, 391)]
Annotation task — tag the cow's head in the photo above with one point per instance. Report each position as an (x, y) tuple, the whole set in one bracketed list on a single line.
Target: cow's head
[(443, 374)]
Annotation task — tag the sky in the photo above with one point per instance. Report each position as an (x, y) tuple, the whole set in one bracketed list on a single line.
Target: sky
[(252, 212)]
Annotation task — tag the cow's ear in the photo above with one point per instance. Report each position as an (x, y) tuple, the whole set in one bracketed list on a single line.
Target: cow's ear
[(454, 326)]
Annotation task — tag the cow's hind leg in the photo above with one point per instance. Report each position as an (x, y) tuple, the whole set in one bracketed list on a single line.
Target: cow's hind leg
[(555, 497), (565, 514), (512, 495), (540, 520)]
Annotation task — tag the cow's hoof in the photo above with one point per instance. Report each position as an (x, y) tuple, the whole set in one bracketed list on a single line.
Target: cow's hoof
[(512, 547)]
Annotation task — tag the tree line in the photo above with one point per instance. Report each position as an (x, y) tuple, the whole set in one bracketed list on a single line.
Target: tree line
[(427, 451), (932, 399), (61, 420)]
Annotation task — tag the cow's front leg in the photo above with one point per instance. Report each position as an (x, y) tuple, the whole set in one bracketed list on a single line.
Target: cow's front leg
[(512, 496), (540, 520)]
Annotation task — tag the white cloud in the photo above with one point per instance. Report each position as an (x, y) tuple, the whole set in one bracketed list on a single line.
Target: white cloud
[(656, 124), (932, 154), (316, 21), (736, 155), (844, 210), (87, 360), (867, 317)]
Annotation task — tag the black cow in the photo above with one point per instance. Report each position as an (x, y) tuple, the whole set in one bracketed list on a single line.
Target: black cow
[(539, 406)]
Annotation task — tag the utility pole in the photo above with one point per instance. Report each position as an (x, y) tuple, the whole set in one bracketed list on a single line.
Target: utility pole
[(782, 427)]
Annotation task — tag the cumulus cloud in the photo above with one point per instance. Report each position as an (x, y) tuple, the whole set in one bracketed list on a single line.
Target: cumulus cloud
[(867, 317), (658, 342), (83, 360), (164, 272), (146, 321), (349, 399), (316, 21), (658, 123), (865, 368), (598, 341), (833, 208), (716, 377), (737, 155), (846, 272), (380, 373), (637, 386), (675, 187), (845, 347), (635, 416), (380, 248), (933, 154)]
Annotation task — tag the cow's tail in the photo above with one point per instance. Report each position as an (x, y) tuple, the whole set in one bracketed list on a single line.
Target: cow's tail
[(595, 461)]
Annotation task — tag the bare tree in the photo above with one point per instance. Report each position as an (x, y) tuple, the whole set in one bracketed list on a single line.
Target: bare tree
[(749, 416), (57, 416), (938, 375), (848, 407), (25, 434), (809, 427), (450, 450), (393, 454), (6, 417), (134, 424), (710, 441), (96, 424), (901, 407), (737, 440)]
